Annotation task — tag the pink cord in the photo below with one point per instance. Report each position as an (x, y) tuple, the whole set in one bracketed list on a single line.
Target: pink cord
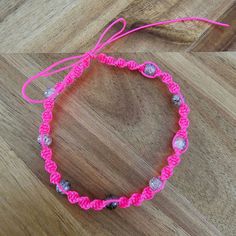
[(99, 45), (83, 62)]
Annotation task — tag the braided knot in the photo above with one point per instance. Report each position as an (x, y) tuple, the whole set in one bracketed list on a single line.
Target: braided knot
[(124, 202), (47, 116), (70, 78), (60, 86), (46, 153), (121, 63), (166, 172), (50, 166), (132, 65), (173, 160), (48, 104), (166, 78), (181, 133), (77, 71), (135, 199), (84, 202), (110, 60), (102, 57), (55, 178), (183, 122), (97, 204), (173, 87), (147, 193), (184, 110), (44, 128), (72, 196)]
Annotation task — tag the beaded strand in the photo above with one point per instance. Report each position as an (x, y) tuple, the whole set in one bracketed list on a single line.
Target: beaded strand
[(174, 159), (149, 70)]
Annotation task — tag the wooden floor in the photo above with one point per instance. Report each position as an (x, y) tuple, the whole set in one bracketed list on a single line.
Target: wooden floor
[(112, 131), (72, 25)]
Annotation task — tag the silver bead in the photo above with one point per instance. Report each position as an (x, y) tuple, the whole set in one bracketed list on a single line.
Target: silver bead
[(155, 183), (49, 92), (47, 140), (65, 184), (176, 100), (179, 143), (150, 69)]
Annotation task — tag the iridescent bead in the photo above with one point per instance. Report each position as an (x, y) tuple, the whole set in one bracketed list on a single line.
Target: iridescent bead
[(179, 143), (49, 92), (150, 69), (65, 184), (47, 140), (176, 100), (111, 205), (155, 183)]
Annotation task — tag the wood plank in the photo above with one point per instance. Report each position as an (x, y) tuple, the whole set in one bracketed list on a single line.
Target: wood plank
[(112, 131), (27, 207), (68, 26)]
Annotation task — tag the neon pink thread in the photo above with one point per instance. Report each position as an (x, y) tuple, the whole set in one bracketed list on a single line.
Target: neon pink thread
[(77, 68)]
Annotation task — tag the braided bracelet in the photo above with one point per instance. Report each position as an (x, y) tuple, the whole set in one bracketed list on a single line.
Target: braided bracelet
[(149, 70)]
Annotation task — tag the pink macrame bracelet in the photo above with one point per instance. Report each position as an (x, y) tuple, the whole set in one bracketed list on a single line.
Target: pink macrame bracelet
[(147, 69)]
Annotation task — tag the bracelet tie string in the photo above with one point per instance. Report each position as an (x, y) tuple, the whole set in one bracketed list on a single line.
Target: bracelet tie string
[(101, 43)]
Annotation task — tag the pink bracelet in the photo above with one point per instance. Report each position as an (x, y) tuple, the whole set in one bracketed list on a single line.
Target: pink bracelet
[(147, 69)]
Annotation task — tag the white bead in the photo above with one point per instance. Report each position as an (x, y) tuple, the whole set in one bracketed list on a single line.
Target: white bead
[(150, 69), (179, 143), (47, 140), (49, 92), (155, 183), (65, 185), (176, 99)]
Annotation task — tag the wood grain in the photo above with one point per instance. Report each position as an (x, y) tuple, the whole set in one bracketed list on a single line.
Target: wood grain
[(112, 131), (71, 25)]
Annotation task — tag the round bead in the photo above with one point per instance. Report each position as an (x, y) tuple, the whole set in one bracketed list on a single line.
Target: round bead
[(179, 143), (111, 205), (49, 92), (47, 140), (176, 100), (150, 69), (65, 184), (155, 183)]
